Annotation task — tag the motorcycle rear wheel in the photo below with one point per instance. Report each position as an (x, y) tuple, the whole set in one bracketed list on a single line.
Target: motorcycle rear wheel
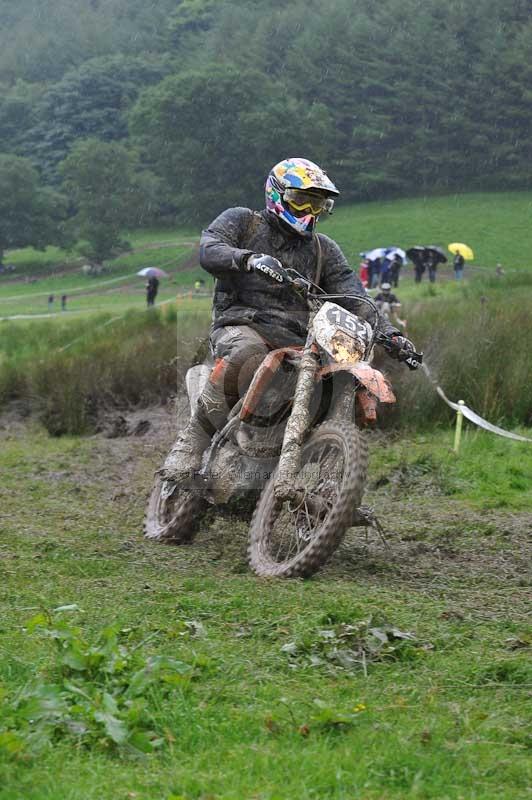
[(173, 514), (293, 540)]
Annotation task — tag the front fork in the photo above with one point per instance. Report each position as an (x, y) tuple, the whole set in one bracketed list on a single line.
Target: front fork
[(297, 425)]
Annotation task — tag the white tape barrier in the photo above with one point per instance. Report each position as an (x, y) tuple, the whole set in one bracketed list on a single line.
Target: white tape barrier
[(472, 415)]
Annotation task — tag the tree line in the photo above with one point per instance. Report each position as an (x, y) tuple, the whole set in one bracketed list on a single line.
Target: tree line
[(188, 103)]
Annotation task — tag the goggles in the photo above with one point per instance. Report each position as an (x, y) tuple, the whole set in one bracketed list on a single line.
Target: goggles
[(302, 201)]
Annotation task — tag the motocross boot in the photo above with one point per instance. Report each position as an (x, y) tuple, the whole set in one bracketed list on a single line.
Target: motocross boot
[(186, 455)]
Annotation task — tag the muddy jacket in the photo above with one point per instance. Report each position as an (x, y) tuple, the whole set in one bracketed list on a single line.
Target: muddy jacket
[(247, 298)]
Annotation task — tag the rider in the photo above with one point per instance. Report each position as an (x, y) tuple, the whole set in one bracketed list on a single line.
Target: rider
[(247, 252), (387, 296), (388, 303)]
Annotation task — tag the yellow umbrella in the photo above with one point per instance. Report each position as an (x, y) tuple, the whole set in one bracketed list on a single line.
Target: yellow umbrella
[(463, 249)]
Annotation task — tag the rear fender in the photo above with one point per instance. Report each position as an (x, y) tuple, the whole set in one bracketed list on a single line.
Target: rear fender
[(371, 379)]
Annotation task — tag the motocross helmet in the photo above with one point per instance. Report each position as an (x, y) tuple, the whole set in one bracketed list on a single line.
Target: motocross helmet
[(386, 287), (298, 192)]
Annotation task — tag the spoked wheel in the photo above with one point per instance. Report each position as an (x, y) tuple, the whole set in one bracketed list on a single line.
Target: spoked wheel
[(293, 538), (173, 514)]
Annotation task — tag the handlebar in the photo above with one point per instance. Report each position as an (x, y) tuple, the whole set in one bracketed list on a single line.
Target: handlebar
[(315, 294)]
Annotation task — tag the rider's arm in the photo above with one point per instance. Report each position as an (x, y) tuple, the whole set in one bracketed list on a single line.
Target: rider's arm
[(220, 253)]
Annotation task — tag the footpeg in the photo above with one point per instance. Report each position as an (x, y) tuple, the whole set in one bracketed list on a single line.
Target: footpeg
[(365, 517)]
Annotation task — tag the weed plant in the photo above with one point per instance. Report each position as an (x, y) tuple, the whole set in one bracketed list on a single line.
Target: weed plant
[(474, 336), (279, 704), (477, 346), (69, 374)]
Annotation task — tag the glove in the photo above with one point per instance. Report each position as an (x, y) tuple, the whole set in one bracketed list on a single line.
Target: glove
[(403, 344), (268, 265), (404, 350)]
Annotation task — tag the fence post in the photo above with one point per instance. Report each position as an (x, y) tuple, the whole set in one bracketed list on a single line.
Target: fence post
[(458, 429)]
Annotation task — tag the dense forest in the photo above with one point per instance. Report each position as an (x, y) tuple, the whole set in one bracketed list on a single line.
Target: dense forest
[(395, 98)]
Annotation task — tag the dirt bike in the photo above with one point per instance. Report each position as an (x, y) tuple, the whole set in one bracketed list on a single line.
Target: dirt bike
[(295, 438)]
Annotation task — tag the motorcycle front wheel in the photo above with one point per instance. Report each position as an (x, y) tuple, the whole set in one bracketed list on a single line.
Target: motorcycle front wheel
[(173, 514), (294, 538)]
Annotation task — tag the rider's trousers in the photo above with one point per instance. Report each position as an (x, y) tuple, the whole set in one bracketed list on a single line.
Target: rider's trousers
[(238, 350)]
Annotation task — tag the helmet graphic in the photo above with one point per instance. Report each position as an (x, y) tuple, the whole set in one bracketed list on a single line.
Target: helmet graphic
[(298, 191)]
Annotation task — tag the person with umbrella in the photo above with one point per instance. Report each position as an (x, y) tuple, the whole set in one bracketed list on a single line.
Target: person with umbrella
[(152, 286), (461, 252), (416, 255), (395, 269), (434, 256)]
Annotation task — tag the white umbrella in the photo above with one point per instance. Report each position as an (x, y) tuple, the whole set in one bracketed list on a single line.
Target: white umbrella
[(391, 251), (152, 272), (372, 255)]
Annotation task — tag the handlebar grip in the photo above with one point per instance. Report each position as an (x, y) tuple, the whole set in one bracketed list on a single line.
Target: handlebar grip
[(412, 359)]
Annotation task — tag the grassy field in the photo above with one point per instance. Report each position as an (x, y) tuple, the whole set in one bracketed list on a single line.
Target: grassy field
[(117, 289), (173, 673), (132, 671), (496, 225)]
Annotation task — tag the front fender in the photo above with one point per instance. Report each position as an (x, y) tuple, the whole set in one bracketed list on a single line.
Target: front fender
[(371, 379)]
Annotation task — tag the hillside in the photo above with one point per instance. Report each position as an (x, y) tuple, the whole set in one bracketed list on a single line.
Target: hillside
[(496, 225)]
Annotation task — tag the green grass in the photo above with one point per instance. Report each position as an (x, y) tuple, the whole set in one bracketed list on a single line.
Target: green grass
[(496, 225), (489, 472), (118, 289), (71, 371), (443, 719), (27, 258), (446, 720)]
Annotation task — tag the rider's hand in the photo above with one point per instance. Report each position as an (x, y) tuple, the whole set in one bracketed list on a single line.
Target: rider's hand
[(268, 265), (403, 344)]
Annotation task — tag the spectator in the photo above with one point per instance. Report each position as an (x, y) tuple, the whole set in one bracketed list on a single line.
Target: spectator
[(431, 264), (419, 266), (375, 269), (152, 287), (385, 270), (458, 265), (395, 268), (364, 272), (50, 302), (63, 302)]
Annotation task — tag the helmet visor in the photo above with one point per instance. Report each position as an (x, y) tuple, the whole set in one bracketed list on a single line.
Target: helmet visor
[(308, 201)]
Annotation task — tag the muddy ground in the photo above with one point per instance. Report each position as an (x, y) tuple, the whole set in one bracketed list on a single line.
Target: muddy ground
[(478, 561)]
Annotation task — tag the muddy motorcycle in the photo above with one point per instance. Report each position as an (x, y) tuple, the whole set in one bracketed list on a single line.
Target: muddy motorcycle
[(294, 440)]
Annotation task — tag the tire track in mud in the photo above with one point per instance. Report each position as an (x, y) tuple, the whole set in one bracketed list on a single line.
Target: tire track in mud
[(435, 544)]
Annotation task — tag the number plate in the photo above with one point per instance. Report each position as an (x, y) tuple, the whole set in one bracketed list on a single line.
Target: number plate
[(346, 321)]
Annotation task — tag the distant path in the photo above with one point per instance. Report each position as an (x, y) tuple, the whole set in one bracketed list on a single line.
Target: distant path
[(90, 288), (101, 309), (93, 286), (151, 246), (161, 245)]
